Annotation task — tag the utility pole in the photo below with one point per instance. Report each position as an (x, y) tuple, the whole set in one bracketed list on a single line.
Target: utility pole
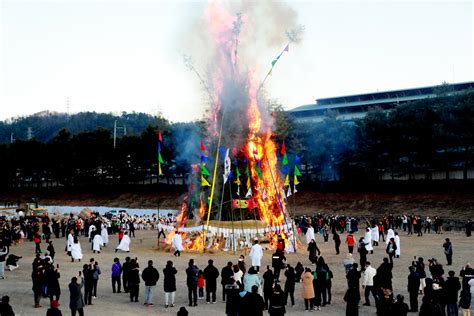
[(29, 133), (123, 128)]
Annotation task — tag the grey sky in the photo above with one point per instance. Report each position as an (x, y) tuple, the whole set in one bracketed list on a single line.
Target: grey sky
[(112, 56)]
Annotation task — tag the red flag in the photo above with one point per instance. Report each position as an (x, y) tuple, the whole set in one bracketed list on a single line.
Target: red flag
[(202, 146), (287, 48), (160, 138), (283, 149)]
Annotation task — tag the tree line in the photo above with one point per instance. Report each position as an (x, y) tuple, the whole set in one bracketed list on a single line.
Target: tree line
[(415, 140)]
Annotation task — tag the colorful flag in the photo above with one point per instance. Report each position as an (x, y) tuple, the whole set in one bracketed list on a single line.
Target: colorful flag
[(297, 171), (258, 171), (295, 180), (270, 72), (204, 182), (283, 149), (287, 180), (204, 171), (227, 170), (160, 172), (287, 48), (297, 160), (249, 193), (264, 194), (202, 146), (289, 191), (285, 160), (160, 138), (160, 159), (204, 158), (294, 189), (248, 183), (274, 62)]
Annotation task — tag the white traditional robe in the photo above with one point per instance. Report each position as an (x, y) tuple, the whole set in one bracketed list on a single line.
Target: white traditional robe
[(256, 253), (390, 234), (368, 241), (397, 242), (76, 251), (309, 234), (178, 242), (124, 243), (374, 231), (104, 234), (97, 242), (91, 229), (70, 241)]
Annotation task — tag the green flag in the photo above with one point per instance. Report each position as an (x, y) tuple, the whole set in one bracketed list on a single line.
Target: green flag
[(274, 62), (259, 171), (285, 160), (247, 171), (160, 159), (297, 171), (238, 172), (204, 171)]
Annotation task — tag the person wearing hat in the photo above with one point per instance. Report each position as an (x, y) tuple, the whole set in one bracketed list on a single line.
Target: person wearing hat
[(54, 309)]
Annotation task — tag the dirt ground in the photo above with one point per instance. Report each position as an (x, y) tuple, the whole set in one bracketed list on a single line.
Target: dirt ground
[(18, 283)]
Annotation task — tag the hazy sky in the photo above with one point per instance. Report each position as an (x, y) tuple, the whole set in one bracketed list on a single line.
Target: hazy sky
[(113, 56)]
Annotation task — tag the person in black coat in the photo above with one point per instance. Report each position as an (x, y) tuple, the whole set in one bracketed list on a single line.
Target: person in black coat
[(352, 299), (252, 303), (268, 279), (125, 274), (169, 283), (87, 273), (353, 276), (299, 269), (226, 277), (277, 302), (313, 251), (452, 287), (134, 280), (413, 289), (5, 307), (151, 276), (192, 282), (210, 275), (400, 308), (76, 301), (52, 279), (277, 264), (233, 302), (337, 241), (54, 309), (290, 284)]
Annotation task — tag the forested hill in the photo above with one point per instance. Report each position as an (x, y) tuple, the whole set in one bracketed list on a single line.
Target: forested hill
[(45, 125)]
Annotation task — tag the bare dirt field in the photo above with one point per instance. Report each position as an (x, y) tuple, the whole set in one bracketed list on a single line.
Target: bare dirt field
[(18, 283)]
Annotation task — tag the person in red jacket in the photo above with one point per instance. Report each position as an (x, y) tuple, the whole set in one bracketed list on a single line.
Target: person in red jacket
[(350, 241), (120, 235), (37, 240), (201, 284)]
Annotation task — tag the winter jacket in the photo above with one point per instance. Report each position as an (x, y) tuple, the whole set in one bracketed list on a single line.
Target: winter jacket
[(170, 279), (150, 275)]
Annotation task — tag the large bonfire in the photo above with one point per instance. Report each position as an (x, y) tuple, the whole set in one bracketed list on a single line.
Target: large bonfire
[(237, 192)]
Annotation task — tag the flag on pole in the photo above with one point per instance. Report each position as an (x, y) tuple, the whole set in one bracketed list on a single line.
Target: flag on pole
[(227, 170), (204, 171), (295, 180), (294, 189), (203, 148), (249, 193), (289, 191), (283, 149), (204, 182), (297, 171), (287, 180), (160, 138), (160, 159), (287, 48), (264, 194)]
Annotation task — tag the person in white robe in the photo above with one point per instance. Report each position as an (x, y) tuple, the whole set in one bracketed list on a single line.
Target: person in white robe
[(177, 244), (397, 242), (124, 243), (97, 243), (256, 253), (92, 229), (310, 234), (76, 251), (70, 241), (368, 241), (104, 234), (374, 231), (390, 234)]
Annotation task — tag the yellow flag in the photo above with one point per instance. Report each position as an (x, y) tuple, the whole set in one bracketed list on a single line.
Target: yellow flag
[(159, 170), (248, 183), (204, 182), (295, 181), (287, 180), (238, 182)]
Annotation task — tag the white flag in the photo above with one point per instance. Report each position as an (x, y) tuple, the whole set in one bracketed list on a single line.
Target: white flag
[(289, 192), (226, 166), (249, 193), (264, 194), (294, 189), (238, 190)]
